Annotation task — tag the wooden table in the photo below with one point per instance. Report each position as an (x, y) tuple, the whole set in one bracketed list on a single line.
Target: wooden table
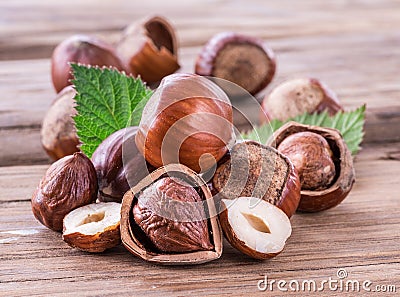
[(354, 46)]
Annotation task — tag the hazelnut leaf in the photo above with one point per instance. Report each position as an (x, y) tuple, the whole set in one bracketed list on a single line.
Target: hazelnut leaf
[(350, 124), (106, 101)]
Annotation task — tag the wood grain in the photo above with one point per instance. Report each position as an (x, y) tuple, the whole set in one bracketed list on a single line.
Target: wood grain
[(353, 46)]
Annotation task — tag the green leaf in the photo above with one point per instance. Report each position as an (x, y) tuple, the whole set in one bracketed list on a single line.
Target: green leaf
[(350, 124), (106, 101)]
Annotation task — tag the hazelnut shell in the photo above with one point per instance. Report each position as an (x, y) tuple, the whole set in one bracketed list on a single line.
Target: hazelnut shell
[(313, 201), (206, 61), (149, 47), (135, 243)]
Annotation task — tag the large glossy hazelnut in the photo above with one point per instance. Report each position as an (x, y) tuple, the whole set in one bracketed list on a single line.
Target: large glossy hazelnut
[(58, 133), (170, 218), (119, 165), (255, 170), (149, 48), (188, 120), (319, 191), (81, 49), (241, 59), (69, 183), (297, 96)]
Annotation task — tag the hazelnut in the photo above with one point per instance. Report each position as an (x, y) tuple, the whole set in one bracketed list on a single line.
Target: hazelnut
[(297, 96), (319, 191), (69, 183), (312, 157), (188, 120), (94, 227), (170, 218), (119, 165), (58, 134), (82, 49), (150, 49), (243, 60), (255, 170), (254, 226)]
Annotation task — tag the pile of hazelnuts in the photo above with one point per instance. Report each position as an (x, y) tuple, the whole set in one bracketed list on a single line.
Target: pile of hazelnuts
[(172, 186)]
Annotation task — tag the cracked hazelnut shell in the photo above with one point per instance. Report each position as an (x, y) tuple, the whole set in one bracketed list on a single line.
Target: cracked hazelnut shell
[(94, 227), (251, 169), (82, 49), (318, 200), (119, 165), (297, 96), (187, 120), (149, 47), (58, 133), (139, 243), (69, 183), (241, 59)]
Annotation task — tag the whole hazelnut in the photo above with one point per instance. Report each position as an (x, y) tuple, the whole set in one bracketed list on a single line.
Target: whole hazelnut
[(81, 49), (241, 59), (69, 183), (297, 96), (119, 165), (312, 157), (188, 120), (329, 176), (58, 133)]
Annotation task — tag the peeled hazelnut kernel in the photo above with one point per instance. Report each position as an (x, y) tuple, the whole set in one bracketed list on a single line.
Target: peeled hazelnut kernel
[(181, 225), (69, 183), (119, 165), (81, 49), (170, 218), (312, 157), (243, 60), (255, 227), (255, 170), (94, 227), (58, 134), (150, 49), (188, 120), (297, 96), (336, 191)]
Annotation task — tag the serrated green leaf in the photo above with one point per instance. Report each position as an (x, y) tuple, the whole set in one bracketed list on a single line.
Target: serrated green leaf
[(106, 101), (350, 124)]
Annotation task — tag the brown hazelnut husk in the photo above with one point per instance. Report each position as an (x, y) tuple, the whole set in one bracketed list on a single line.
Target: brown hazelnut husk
[(69, 183), (255, 170), (298, 96), (163, 221), (323, 196), (119, 165), (149, 47), (81, 49), (241, 59), (188, 120), (58, 133)]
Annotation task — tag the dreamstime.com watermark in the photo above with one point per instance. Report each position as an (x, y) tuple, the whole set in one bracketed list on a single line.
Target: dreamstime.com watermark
[(340, 283)]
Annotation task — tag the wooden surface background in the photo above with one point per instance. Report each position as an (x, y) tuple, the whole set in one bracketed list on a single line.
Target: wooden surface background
[(351, 45)]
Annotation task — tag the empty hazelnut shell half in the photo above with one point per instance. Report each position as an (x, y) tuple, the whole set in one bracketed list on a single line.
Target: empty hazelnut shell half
[(94, 227), (69, 183), (188, 120), (81, 49), (297, 96), (339, 188), (58, 133), (119, 165), (159, 227), (241, 59), (149, 48), (255, 170), (254, 226)]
